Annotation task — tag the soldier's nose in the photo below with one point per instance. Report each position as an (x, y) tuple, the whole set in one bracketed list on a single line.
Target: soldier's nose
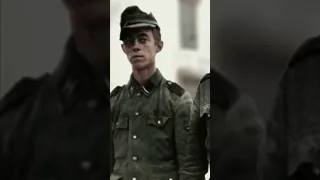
[(135, 49), (136, 46)]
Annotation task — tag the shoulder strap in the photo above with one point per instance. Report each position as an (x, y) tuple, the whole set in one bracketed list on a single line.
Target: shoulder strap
[(205, 77), (174, 87), (23, 89), (116, 91), (310, 47), (224, 92)]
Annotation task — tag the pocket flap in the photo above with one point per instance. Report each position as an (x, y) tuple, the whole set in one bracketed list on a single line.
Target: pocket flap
[(122, 123), (158, 121)]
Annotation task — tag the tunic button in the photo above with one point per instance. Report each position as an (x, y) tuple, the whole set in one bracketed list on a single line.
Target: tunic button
[(316, 171), (134, 178), (208, 115), (170, 179), (138, 94), (169, 82), (159, 122), (92, 104), (86, 165), (134, 137), (137, 114), (134, 158)]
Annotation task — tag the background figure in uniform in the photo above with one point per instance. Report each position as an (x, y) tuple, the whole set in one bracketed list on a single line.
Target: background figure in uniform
[(200, 125), (150, 115), (292, 149), (234, 126), (56, 126)]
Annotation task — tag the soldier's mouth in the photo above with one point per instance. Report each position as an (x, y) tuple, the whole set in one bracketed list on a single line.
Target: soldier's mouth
[(137, 57)]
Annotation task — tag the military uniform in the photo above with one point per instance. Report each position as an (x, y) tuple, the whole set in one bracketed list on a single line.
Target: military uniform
[(199, 133), (150, 121), (150, 124), (233, 129), (292, 149), (56, 127)]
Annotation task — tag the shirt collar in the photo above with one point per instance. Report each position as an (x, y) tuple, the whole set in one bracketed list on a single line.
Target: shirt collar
[(148, 87)]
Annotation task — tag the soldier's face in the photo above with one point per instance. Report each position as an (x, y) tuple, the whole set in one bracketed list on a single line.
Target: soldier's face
[(91, 23), (141, 48)]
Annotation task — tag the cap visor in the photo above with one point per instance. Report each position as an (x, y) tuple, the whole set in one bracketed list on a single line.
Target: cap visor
[(133, 26), (140, 25)]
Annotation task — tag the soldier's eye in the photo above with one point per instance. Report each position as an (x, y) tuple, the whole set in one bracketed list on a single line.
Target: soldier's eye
[(128, 42), (142, 40)]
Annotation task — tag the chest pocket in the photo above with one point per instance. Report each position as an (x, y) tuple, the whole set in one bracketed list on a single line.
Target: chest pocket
[(120, 137), (159, 133), (122, 123), (158, 122), (160, 126)]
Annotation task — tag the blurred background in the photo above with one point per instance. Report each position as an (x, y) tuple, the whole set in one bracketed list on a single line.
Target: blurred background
[(185, 28), (33, 36), (251, 41)]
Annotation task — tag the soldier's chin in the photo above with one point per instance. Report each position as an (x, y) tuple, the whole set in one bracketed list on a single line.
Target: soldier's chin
[(139, 65)]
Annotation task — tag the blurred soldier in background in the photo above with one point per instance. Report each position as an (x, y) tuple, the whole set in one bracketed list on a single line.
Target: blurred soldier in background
[(236, 129), (150, 115), (292, 149), (56, 126)]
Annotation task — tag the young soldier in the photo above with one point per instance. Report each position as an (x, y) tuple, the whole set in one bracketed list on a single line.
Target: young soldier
[(150, 115), (56, 127), (235, 130), (293, 138)]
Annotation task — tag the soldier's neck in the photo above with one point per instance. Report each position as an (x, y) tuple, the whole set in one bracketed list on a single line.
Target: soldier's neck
[(142, 76)]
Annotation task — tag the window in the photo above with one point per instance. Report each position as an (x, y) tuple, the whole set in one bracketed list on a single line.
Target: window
[(188, 24)]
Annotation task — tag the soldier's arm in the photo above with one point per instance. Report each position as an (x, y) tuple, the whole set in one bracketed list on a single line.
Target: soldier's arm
[(236, 135), (236, 132), (273, 162), (196, 163), (114, 95), (245, 135), (112, 161), (182, 109), (12, 105), (7, 126), (182, 114)]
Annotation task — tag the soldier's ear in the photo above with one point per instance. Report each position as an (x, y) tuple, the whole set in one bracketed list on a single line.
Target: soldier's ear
[(124, 49), (159, 46)]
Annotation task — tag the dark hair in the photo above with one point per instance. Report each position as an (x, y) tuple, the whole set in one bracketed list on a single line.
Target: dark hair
[(156, 35)]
